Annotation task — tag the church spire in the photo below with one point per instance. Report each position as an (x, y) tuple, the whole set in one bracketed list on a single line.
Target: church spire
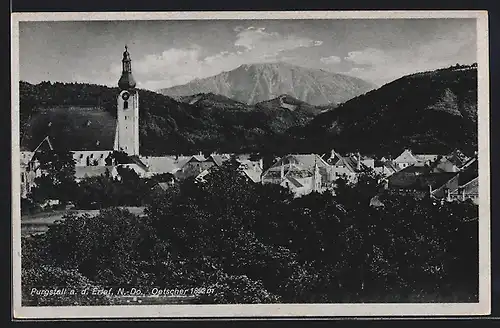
[(126, 81)]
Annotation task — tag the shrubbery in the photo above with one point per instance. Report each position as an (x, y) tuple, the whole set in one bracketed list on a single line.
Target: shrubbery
[(255, 243)]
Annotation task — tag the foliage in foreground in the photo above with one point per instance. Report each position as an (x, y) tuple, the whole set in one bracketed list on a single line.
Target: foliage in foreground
[(255, 243)]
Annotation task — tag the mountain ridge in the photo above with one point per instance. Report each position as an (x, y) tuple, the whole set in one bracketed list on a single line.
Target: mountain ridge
[(433, 112), (257, 82)]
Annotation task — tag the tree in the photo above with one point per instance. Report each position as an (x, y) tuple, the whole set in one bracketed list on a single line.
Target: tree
[(111, 248), (57, 180)]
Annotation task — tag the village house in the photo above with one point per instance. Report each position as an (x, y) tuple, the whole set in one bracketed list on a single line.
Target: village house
[(30, 166), (453, 162), (386, 168), (197, 164), (98, 136), (422, 180), (462, 185), (407, 158), (301, 173), (252, 170), (348, 166)]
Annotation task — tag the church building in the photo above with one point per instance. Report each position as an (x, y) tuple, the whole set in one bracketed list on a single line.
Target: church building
[(92, 135), (127, 128)]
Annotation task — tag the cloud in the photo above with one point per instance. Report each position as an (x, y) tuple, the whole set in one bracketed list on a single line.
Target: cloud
[(382, 66), (330, 60), (176, 66), (368, 56), (168, 59), (257, 38)]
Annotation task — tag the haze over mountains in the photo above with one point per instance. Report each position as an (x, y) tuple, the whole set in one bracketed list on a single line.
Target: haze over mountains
[(253, 83)]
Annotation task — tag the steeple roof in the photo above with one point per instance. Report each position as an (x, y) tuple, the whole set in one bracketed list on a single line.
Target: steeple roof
[(127, 81)]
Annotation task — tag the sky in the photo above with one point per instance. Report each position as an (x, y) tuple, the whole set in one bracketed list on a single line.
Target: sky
[(168, 53)]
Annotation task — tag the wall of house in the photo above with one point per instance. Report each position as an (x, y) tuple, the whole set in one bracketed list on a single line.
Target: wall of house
[(307, 184), (194, 168), (29, 172), (342, 171)]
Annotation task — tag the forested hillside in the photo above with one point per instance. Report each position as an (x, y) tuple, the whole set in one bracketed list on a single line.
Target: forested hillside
[(205, 122), (429, 112)]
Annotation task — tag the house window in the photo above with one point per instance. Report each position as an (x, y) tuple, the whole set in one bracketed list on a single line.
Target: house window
[(125, 104)]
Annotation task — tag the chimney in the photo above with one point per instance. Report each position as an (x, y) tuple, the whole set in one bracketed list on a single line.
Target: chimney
[(430, 190), (282, 171), (358, 166)]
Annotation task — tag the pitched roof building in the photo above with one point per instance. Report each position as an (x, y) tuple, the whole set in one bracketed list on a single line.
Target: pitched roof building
[(301, 173)]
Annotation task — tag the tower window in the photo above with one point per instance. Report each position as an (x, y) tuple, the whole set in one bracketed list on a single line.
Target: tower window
[(125, 104), (125, 117)]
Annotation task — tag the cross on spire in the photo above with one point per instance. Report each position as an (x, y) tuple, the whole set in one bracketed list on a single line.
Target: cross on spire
[(126, 48)]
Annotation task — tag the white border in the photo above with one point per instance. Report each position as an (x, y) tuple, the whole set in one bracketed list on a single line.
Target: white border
[(264, 310)]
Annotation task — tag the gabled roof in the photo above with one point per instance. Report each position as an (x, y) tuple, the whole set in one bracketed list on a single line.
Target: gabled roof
[(199, 158), (165, 164), (405, 156), (202, 174), (163, 185), (471, 162), (391, 166), (309, 160), (252, 175), (137, 160), (294, 181), (351, 163), (218, 159), (45, 141), (471, 186)]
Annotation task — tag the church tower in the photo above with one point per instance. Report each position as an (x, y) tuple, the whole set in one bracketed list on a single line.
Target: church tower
[(127, 127)]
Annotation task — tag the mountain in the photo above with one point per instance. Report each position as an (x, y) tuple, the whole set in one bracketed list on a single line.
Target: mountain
[(254, 83), (79, 116), (432, 112), (289, 103), (211, 100)]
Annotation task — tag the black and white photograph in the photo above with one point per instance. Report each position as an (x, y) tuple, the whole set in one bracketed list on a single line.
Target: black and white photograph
[(250, 164)]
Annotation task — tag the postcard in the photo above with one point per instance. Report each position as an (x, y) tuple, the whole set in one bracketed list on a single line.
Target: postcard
[(312, 164)]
